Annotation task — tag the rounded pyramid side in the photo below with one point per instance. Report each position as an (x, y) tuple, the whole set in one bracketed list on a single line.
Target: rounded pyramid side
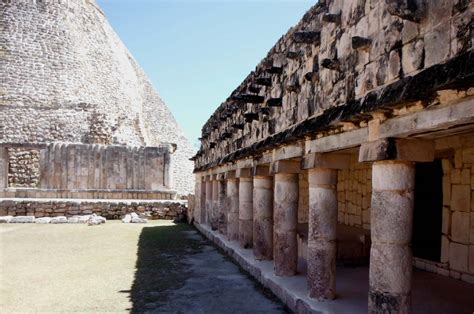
[(67, 77)]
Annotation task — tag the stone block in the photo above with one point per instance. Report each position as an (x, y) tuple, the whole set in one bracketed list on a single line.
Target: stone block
[(446, 190), (458, 256), (437, 45), (461, 197), (468, 155), (456, 176), (394, 65), (466, 176), (458, 157), (471, 258), (412, 56), (446, 220), (443, 272), (410, 31), (454, 274), (460, 227), (467, 278), (444, 249)]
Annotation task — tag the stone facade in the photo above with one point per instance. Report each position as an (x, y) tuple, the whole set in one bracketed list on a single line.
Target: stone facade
[(342, 57), (67, 77), (86, 170), (341, 115)]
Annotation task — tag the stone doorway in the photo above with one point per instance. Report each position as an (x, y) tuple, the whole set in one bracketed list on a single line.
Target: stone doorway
[(428, 213)]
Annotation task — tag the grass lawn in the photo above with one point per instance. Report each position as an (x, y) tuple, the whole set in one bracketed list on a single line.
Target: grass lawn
[(76, 268)]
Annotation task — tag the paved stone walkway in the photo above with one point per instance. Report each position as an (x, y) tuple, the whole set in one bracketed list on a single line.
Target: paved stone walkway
[(157, 267)]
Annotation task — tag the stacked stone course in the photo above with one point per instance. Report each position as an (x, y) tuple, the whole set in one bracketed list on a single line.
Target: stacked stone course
[(173, 210)]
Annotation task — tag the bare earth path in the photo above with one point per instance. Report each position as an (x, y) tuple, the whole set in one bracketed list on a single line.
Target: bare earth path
[(157, 267)]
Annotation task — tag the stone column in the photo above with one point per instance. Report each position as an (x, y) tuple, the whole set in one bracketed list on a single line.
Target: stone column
[(322, 233), (203, 201), (322, 177), (393, 184), (3, 168), (245, 208), (263, 214), (222, 205), (285, 217), (391, 229), (208, 199), (233, 202), (215, 203)]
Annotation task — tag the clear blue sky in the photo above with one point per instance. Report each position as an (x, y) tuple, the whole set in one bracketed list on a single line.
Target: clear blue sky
[(196, 52)]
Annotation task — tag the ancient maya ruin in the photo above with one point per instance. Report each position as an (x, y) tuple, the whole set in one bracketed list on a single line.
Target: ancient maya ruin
[(80, 120), (352, 143), (352, 140)]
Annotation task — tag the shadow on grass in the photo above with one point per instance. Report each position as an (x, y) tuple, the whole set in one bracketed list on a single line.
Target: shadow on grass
[(159, 267)]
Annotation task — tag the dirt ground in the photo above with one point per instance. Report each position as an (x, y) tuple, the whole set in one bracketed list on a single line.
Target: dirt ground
[(156, 267)]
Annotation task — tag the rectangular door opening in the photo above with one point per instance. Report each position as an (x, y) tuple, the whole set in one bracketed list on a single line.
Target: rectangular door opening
[(428, 213)]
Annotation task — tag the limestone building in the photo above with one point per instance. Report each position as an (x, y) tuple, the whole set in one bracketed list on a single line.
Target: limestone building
[(351, 142), (66, 77)]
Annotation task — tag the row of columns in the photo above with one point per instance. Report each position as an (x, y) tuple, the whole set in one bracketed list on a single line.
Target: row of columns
[(262, 207)]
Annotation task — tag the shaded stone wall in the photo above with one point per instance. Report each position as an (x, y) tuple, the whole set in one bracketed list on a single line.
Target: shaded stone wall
[(354, 194), (341, 59), (67, 77), (457, 254)]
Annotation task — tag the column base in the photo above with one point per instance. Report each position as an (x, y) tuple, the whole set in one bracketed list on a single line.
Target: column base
[(246, 233), (381, 302), (263, 239), (286, 253), (322, 270), (233, 226)]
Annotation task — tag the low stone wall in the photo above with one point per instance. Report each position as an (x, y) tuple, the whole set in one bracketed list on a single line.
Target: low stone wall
[(88, 194), (173, 210)]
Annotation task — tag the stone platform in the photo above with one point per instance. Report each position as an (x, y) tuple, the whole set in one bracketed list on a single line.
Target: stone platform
[(431, 293), (108, 208)]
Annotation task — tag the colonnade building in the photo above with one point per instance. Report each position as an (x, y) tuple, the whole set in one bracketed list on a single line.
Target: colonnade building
[(352, 143)]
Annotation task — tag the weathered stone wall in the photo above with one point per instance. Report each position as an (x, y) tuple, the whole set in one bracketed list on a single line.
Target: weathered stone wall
[(457, 254), (23, 167), (342, 59), (108, 209), (67, 77), (69, 167), (354, 194)]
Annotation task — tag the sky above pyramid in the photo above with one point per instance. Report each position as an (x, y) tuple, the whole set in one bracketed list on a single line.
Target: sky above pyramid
[(197, 52)]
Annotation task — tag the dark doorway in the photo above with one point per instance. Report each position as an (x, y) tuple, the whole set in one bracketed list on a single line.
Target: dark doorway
[(428, 214)]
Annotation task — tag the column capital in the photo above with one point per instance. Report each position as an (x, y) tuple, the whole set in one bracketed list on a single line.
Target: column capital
[(220, 176), (261, 171), (329, 161), (229, 175), (285, 166), (243, 173), (415, 150)]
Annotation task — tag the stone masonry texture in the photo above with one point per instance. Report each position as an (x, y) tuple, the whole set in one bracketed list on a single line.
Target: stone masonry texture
[(67, 77)]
